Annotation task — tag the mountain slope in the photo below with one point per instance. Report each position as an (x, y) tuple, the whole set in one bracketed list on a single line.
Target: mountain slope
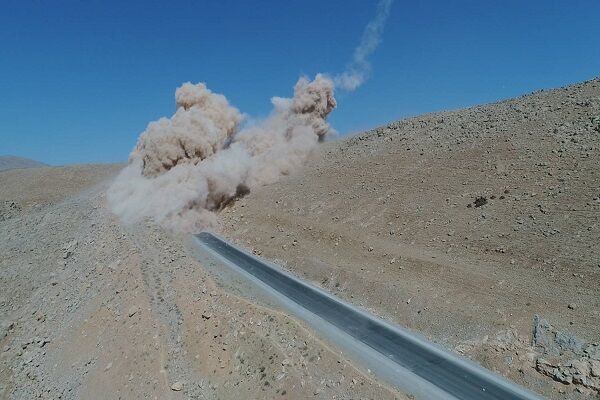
[(14, 162), (462, 225)]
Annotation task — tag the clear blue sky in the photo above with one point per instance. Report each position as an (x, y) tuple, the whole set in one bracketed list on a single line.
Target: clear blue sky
[(79, 80)]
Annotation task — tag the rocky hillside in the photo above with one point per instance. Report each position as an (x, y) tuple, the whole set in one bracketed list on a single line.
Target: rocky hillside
[(91, 309), (467, 226)]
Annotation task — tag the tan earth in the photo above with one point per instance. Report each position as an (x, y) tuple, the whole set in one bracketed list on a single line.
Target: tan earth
[(93, 310), (388, 219)]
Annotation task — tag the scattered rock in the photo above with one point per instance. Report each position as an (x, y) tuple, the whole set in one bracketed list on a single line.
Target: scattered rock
[(5, 327), (550, 341), (595, 368), (480, 201), (206, 315), (596, 123), (552, 370), (177, 386), (566, 358), (69, 248)]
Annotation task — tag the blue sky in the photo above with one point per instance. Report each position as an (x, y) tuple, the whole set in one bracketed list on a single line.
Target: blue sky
[(79, 80)]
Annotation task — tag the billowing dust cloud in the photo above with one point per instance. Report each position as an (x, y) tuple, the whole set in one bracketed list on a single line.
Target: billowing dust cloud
[(185, 167)]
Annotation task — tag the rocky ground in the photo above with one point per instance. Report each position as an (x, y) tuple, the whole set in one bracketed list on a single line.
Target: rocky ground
[(479, 228), (90, 309)]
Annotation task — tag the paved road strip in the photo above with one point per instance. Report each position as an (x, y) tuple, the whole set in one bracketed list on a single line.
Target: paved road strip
[(458, 378)]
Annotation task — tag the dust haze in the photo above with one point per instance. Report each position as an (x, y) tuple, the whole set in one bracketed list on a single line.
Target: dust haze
[(197, 161)]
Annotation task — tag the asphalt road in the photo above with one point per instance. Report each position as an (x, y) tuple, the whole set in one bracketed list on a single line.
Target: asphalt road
[(452, 375)]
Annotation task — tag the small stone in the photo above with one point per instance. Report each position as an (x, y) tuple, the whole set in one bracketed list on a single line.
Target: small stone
[(108, 366), (177, 386), (595, 368), (480, 201), (5, 327), (132, 311), (206, 315), (571, 306), (580, 367)]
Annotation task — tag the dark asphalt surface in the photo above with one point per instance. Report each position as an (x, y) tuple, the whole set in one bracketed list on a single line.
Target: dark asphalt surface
[(454, 377)]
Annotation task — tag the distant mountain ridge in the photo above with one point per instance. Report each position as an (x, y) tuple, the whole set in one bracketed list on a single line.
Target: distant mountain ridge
[(14, 162)]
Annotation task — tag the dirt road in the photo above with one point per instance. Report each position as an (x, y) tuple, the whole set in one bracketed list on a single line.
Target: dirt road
[(91, 309)]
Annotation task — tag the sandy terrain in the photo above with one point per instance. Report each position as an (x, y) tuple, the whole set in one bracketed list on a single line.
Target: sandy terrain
[(90, 310), (461, 225)]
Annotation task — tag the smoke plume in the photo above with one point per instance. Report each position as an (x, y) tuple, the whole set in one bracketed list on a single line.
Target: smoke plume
[(359, 69), (197, 161)]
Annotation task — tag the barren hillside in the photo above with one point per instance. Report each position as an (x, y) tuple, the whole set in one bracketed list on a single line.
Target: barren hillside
[(90, 309), (462, 225), (14, 162)]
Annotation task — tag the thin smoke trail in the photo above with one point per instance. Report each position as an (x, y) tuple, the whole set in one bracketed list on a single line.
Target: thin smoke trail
[(359, 69)]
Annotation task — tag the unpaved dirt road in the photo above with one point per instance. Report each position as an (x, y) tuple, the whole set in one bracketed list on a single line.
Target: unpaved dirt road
[(90, 309)]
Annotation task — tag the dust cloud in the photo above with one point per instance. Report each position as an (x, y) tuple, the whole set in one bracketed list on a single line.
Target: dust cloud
[(184, 168), (197, 161)]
